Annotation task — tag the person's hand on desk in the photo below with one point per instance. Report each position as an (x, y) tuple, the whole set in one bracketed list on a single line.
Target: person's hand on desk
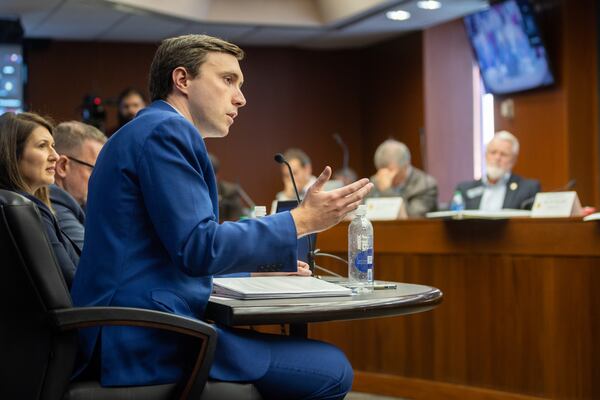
[(321, 210), (303, 270)]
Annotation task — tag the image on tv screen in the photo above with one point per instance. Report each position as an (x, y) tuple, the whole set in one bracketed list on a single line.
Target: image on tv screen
[(508, 47), (11, 78)]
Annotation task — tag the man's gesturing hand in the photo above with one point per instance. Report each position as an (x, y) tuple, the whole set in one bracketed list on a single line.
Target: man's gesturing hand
[(321, 210)]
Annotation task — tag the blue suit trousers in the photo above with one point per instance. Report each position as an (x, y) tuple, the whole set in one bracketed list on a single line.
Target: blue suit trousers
[(302, 369)]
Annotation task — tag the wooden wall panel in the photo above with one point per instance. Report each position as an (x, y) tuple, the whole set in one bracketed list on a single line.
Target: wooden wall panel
[(449, 107), (392, 102), (61, 73), (514, 320), (580, 70)]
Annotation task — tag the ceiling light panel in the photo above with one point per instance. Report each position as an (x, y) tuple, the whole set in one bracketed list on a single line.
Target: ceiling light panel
[(398, 15), (429, 4)]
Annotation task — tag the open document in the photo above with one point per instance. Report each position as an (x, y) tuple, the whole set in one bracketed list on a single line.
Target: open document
[(276, 287)]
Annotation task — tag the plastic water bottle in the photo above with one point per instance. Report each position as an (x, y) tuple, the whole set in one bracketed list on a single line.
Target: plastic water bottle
[(458, 203), (360, 251)]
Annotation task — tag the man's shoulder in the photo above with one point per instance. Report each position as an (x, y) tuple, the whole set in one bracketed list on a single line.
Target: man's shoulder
[(421, 176), (63, 202), (152, 118), (525, 183), (154, 126), (59, 195)]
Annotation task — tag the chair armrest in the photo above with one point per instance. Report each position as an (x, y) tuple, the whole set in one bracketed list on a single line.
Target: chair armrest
[(85, 317)]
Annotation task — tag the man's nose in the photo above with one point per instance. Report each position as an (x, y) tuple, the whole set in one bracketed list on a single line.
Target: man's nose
[(239, 100)]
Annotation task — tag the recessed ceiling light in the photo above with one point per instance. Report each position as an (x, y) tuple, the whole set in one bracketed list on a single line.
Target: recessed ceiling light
[(398, 15), (429, 4)]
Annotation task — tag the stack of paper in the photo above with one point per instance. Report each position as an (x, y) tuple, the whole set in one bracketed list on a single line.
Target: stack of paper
[(276, 287), (592, 217), (479, 214)]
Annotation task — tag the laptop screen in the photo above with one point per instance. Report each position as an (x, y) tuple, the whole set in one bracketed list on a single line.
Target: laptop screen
[(303, 246)]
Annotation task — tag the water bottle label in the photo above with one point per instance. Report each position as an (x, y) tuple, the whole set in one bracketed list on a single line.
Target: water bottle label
[(364, 260), (370, 275), (362, 242)]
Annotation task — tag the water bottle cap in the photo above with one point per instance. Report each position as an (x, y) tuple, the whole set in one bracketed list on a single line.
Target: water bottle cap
[(260, 211), (361, 210)]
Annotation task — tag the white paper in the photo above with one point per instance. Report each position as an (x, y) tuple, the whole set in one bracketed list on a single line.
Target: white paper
[(274, 287), (479, 214)]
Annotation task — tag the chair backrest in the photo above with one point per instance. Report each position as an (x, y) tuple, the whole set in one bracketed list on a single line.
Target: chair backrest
[(35, 359)]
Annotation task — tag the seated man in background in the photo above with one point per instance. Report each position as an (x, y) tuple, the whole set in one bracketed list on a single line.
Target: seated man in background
[(302, 169), (78, 145), (396, 177), (230, 203), (499, 188)]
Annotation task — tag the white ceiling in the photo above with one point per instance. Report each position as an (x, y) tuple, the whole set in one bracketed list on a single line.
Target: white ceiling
[(301, 23)]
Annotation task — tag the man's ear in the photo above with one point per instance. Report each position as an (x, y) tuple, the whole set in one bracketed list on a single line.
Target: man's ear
[(62, 167), (180, 78)]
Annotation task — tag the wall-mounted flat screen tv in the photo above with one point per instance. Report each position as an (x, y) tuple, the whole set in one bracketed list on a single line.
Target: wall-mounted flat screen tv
[(508, 47), (11, 78)]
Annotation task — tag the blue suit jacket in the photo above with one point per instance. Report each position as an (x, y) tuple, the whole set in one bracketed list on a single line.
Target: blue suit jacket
[(152, 240)]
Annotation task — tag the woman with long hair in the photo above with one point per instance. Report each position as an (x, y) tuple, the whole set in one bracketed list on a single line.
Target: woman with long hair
[(27, 166)]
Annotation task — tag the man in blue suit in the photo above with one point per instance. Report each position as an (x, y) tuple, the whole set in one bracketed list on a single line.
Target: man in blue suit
[(153, 241)]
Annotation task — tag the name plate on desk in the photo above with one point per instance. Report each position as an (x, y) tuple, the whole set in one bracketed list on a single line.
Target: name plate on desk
[(556, 204), (385, 208)]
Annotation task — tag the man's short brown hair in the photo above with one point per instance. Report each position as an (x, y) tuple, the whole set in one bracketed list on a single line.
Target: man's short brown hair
[(189, 52)]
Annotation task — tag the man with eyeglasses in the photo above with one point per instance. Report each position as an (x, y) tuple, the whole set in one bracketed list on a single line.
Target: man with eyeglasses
[(78, 145)]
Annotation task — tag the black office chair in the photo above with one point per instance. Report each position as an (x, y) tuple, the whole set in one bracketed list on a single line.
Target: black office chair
[(38, 325)]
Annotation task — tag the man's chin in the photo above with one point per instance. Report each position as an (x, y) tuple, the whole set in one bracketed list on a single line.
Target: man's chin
[(495, 173), (214, 133)]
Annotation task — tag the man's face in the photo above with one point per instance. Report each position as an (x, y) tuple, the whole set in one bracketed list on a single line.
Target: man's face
[(394, 173), (215, 95), (75, 176), (301, 174), (499, 155), (131, 105)]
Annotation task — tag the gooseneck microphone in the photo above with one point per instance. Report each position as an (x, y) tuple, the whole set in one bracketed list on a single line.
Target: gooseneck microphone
[(281, 160)]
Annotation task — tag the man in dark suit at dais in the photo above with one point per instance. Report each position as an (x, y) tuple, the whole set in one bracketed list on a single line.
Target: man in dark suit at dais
[(499, 188)]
